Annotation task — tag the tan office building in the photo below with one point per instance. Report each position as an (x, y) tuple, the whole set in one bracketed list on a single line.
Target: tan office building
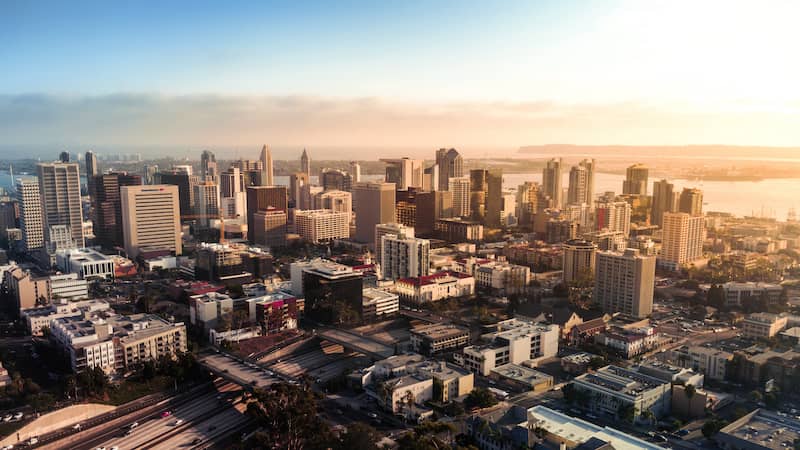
[(151, 219)]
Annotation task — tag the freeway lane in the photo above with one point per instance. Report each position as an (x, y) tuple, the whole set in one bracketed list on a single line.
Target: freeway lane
[(221, 424)]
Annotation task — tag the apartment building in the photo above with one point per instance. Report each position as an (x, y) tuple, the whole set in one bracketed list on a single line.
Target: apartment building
[(515, 341), (612, 389), (322, 225)]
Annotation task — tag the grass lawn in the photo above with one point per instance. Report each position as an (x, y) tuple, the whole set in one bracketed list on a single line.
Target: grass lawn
[(131, 390)]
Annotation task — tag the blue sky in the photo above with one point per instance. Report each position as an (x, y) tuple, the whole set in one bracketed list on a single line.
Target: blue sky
[(415, 73)]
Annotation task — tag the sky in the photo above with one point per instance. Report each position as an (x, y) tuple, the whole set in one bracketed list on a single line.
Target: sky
[(410, 74)]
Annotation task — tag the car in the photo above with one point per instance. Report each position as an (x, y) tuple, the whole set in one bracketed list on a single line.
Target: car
[(165, 414), (77, 426), (133, 425), (8, 447), (373, 415), (683, 432), (178, 422), (8, 417), (18, 416), (33, 441)]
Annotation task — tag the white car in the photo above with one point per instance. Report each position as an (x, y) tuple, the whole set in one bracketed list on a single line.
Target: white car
[(8, 417), (77, 426), (178, 422), (18, 416)]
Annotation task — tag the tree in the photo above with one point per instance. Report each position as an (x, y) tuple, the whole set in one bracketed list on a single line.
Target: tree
[(755, 396), (480, 398), (288, 417), (359, 435), (690, 390), (712, 427), (597, 362)]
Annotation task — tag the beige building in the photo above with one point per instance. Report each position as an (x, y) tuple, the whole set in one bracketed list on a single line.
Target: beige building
[(31, 220), (339, 201), (763, 325), (322, 225), (579, 260), (60, 191), (682, 241), (374, 204), (624, 282), (269, 227), (459, 186), (143, 337), (151, 219)]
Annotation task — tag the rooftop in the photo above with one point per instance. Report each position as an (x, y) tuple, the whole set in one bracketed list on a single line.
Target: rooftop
[(521, 374), (764, 428), (439, 330), (618, 379), (436, 278)]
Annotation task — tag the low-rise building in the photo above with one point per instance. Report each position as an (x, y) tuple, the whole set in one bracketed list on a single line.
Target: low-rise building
[(36, 319), (522, 378), (577, 363), (739, 293), (629, 343), (760, 430), (458, 230), (438, 286), (436, 338), (672, 374), (710, 361), (378, 304), (625, 393), (763, 325), (514, 342), (86, 263)]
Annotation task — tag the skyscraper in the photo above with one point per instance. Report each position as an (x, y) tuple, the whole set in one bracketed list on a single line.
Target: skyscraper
[(663, 201), (300, 190), (397, 229), (691, 202), (374, 203), (551, 181), (578, 185), (232, 195), (613, 215), (336, 180), (266, 164), (104, 191), (478, 187), (494, 197), (206, 202), (527, 203), (682, 240), (579, 260), (635, 180), (590, 165), (31, 220), (305, 163), (338, 201), (60, 190), (404, 172), (63, 157), (459, 187), (208, 166), (404, 257), (355, 171), (269, 227), (92, 168), (451, 165), (625, 282), (184, 182), (150, 219), (260, 198)]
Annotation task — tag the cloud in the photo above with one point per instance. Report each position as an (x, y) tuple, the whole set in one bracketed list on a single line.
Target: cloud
[(234, 121)]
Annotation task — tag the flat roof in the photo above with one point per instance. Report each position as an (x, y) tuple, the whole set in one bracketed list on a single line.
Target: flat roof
[(764, 428), (439, 330), (521, 373), (624, 381)]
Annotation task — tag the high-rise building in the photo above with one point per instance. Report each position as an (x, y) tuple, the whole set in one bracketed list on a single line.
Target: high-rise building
[(206, 202), (430, 178), (92, 168), (300, 190), (624, 282), (691, 202), (104, 191), (551, 181), (580, 214), (590, 165), (252, 171), (663, 201), (682, 241), (184, 182), (527, 203), (460, 188), (266, 167), (355, 171), (260, 198), (339, 201), (269, 227), (208, 166), (405, 172), (635, 180), (430, 207), (63, 157), (578, 179), (305, 163), (322, 225), (579, 260), (404, 257), (232, 195), (494, 197), (150, 219), (613, 216), (478, 187), (60, 190), (336, 180), (451, 165), (31, 219), (394, 228), (374, 203)]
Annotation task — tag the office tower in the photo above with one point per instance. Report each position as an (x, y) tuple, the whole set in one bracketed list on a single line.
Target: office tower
[(374, 203), (578, 185), (208, 166), (232, 195), (394, 228), (404, 257), (266, 167), (300, 190), (404, 172), (31, 219), (682, 240), (430, 178), (612, 216), (430, 207), (663, 201), (336, 180), (60, 239), (269, 227), (460, 188), (691, 202), (206, 203), (322, 225), (451, 165), (355, 171), (185, 169), (63, 157), (339, 201), (107, 206), (92, 168), (149, 174), (625, 282), (509, 212), (150, 219), (252, 171), (578, 260), (305, 163), (181, 179), (635, 180), (560, 230), (551, 181), (590, 165), (494, 197), (527, 203), (9, 215), (259, 198), (478, 187), (60, 190)]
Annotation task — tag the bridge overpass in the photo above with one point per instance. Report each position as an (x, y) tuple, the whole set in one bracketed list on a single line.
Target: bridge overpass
[(357, 342)]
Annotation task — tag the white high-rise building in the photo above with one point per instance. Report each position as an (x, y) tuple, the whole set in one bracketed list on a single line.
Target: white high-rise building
[(624, 282), (266, 164), (60, 191), (30, 214), (355, 171), (682, 240), (578, 185), (459, 186), (206, 202), (151, 218), (322, 225), (551, 181), (395, 228), (579, 260), (613, 216), (404, 257)]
